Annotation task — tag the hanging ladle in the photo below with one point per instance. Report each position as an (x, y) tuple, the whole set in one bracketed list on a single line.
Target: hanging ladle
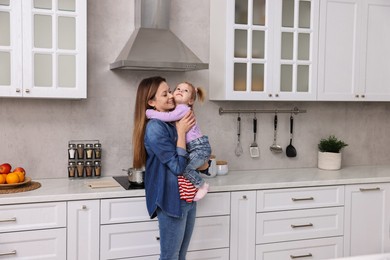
[(290, 149)]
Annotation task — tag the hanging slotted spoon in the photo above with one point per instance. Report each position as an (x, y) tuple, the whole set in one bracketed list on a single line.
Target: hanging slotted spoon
[(238, 151), (275, 148)]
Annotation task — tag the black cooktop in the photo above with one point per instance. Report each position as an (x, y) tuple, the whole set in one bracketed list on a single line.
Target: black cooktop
[(124, 182)]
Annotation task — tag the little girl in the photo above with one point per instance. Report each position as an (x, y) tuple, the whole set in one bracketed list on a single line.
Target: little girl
[(198, 145)]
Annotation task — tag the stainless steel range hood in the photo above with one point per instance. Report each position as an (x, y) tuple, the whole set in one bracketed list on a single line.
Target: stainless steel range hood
[(152, 46)]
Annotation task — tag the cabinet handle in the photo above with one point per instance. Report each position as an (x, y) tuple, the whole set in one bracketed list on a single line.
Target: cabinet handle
[(363, 96), (8, 220), (300, 226), (270, 95), (13, 252), (18, 90), (276, 95), (369, 189), (244, 197), (300, 199), (84, 207), (27, 90), (157, 238), (300, 256), (357, 96)]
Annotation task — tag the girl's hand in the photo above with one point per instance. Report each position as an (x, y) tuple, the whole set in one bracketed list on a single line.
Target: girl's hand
[(185, 124)]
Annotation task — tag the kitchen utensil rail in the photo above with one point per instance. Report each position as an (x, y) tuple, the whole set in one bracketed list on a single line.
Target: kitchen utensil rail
[(294, 110)]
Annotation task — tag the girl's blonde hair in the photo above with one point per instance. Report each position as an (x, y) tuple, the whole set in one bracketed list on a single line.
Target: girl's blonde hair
[(146, 91), (197, 92)]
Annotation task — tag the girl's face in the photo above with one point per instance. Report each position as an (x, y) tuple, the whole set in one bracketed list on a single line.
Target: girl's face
[(163, 101), (183, 94)]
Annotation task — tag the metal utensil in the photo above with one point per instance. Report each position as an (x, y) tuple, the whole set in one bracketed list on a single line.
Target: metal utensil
[(238, 151), (254, 148), (275, 148), (290, 149)]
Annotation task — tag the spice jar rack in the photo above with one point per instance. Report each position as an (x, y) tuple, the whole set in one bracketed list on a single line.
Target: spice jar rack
[(84, 158)]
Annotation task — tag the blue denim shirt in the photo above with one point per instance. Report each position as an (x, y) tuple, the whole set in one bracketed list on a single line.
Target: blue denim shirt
[(164, 162)]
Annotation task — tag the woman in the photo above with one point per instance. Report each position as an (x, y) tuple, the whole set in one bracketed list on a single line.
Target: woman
[(161, 148)]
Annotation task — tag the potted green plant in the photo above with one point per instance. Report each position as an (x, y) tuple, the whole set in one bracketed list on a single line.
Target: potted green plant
[(329, 154)]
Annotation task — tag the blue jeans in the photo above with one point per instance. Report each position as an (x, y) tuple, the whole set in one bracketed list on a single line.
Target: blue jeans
[(175, 233), (199, 153)]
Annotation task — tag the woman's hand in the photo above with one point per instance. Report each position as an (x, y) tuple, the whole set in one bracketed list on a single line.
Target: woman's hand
[(185, 124), (182, 127)]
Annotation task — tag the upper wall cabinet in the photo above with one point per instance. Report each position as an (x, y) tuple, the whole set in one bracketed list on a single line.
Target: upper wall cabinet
[(43, 48), (263, 49), (354, 53)]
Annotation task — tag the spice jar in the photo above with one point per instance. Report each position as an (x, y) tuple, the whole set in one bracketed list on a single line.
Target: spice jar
[(72, 151), (88, 168), (98, 168), (80, 151), (98, 151), (80, 169), (71, 169), (88, 151)]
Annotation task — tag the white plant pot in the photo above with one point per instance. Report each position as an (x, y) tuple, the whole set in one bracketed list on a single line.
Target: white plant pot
[(329, 161)]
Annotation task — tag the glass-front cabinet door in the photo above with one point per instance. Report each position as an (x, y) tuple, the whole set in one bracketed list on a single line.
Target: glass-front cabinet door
[(53, 50), (296, 33), (10, 48), (263, 49)]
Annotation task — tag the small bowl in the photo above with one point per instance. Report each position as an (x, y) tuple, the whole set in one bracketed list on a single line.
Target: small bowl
[(222, 168)]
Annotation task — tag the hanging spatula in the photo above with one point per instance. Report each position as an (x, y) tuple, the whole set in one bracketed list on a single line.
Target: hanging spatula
[(254, 148)]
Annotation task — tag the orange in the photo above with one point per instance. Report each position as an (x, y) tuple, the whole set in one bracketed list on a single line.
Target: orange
[(12, 178), (2, 178), (21, 176)]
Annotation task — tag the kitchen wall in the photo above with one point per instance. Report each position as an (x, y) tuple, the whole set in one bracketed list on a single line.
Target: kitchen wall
[(34, 134)]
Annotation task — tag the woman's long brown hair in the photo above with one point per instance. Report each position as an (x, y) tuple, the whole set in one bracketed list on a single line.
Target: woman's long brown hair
[(146, 91)]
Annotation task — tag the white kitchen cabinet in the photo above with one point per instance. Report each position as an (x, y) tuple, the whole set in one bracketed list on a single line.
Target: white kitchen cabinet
[(263, 50), (354, 58), (126, 229), (243, 222), (300, 222), (33, 231), (367, 219), (43, 48), (83, 229)]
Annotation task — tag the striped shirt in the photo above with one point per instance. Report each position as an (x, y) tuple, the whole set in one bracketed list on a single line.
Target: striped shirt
[(186, 189)]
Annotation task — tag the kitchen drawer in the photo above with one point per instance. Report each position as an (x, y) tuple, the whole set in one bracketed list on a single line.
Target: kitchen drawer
[(134, 209), (299, 198), (299, 224), (214, 204), (142, 238), (123, 210), (313, 249), (213, 254), (38, 244), (32, 216)]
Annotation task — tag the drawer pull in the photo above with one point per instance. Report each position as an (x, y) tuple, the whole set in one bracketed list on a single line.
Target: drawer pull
[(8, 220), (300, 199), (369, 189), (157, 238), (300, 256), (300, 226), (13, 252)]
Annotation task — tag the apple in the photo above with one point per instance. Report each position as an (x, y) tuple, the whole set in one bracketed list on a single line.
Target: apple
[(19, 169), (5, 168)]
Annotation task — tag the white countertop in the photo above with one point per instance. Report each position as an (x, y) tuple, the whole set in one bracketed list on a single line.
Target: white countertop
[(77, 189)]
